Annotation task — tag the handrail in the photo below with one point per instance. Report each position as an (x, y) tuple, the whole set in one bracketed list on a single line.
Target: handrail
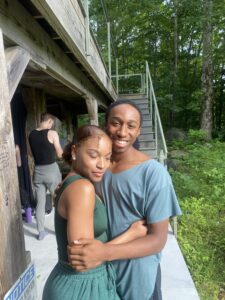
[(153, 103), (162, 153), (138, 86)]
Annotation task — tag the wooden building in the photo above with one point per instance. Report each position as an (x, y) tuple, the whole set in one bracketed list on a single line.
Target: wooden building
[(49, 61)]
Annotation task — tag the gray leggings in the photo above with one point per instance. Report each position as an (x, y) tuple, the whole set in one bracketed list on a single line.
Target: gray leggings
[(45, 177)]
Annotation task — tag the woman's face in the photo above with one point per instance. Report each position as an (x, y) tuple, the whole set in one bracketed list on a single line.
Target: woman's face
[(123, 127), (93, 157)]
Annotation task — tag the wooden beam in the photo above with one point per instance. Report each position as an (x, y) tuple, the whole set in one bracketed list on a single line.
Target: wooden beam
[(17, 60), (12, 250), (20, 27), (92, 106)]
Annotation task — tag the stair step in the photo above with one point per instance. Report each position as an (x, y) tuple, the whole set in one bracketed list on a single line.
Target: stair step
[(146, 123), (146, 117), (145, 111), (143, 106), (150, 152), (147, 144), (146, 129), (131, 96), (140, 101), (146, 136)]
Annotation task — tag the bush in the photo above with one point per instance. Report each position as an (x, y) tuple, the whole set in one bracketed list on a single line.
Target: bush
[(200, 184), (197, 135)]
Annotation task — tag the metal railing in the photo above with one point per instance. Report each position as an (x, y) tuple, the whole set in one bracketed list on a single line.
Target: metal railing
[(105, 45), (161, 147), (160, 142), (129, 83)]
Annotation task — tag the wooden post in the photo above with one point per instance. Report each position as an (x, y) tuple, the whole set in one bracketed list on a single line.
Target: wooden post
[(12, 250), (35, 102), (17, 60), (92, 106)]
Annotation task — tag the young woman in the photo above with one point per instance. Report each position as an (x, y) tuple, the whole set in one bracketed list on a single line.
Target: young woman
[(79, 213), (134, 187)]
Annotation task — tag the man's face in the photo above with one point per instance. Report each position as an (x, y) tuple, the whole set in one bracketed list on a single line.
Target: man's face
[(123, 126)]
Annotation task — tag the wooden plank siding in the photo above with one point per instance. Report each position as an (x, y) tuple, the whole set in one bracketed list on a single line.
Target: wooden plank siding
[(68, 20), (21, 28)]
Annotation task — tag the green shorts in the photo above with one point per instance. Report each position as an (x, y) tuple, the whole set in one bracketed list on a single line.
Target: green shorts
[(66, 284)]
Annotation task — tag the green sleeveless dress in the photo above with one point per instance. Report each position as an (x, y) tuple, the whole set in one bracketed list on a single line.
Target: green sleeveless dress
[(64, 283)]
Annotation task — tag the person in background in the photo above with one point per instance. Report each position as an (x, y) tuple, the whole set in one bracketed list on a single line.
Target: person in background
[(45, 146), (135, 187), (18, 156), (80, 213), (24, 196)]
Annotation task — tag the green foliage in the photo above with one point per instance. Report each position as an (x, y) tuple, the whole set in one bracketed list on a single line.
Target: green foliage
[(197, 135), (145, 30), (200, 183), (83, 120)]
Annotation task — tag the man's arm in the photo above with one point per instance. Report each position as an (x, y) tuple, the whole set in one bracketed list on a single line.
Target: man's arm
[(94, 251), (54, 138)]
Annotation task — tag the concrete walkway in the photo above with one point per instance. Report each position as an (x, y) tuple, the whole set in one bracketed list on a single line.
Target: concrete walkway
[(177, 283)]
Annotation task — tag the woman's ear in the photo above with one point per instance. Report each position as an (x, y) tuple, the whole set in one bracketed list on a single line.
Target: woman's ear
[(73, 152)]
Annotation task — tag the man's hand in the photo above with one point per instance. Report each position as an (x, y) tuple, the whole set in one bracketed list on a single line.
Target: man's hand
[(86, 254)]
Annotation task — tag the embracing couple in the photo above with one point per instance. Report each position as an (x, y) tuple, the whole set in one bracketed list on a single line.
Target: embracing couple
[(112, 210)]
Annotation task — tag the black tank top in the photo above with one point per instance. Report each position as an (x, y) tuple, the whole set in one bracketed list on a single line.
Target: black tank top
[(43, 151)]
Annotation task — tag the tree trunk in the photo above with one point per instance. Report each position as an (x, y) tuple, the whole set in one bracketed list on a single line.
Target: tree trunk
[(220, 102), (207, 71), (174, 83)]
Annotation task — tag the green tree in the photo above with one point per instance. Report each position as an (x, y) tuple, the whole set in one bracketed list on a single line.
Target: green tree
[(207, 70)]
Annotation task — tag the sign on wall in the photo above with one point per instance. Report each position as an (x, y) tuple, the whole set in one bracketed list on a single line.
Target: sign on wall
[(25, 287)]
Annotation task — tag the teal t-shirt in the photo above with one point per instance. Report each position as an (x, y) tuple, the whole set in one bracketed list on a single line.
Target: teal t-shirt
[(144, 191)]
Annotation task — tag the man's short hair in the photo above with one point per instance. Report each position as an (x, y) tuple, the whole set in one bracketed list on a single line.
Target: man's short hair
[(46, 116)]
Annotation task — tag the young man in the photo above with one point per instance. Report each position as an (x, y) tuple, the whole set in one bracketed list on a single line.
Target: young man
[(45, 145), (135, 187)]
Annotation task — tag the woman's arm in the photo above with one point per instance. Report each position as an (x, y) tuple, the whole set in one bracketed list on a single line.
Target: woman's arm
[(137, 230), (77, 207)]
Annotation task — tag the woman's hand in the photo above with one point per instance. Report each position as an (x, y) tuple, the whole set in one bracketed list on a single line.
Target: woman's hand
[(138, 229)]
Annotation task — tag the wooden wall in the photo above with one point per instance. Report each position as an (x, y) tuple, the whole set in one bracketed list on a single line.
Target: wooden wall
[(12, 250)]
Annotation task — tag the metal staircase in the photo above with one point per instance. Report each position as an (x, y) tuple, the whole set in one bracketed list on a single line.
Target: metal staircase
[(147, 137)]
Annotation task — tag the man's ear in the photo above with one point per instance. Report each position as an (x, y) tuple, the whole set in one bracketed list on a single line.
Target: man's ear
[(139, 132)]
